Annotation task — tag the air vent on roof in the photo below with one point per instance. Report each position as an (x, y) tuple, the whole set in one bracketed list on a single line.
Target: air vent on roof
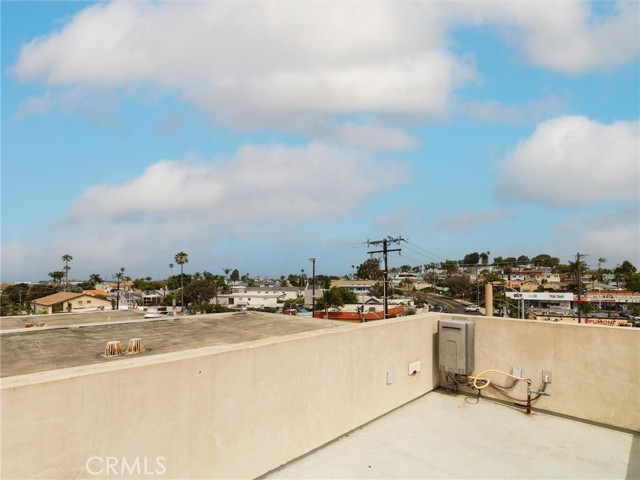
[(113, 349), (135, 346)]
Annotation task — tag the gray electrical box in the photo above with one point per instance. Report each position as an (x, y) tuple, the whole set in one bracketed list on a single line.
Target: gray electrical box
[(456, 346)]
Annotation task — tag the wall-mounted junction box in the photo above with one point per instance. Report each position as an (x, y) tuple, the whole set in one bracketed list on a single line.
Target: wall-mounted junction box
[(414, 367), (456, 346), (546, 376), (516, 371)]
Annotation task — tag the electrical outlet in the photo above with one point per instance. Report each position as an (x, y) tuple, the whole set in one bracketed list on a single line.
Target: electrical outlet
[(546, 376), (414, 367), (516, 371)]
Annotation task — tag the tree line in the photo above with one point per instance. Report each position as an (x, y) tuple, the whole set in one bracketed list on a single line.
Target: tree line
[(197, 289)]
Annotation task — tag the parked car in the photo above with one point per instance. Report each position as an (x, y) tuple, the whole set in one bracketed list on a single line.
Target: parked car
[(472, 308)]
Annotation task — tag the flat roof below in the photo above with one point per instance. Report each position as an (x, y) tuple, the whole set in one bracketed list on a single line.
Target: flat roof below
[(63, 344), (448, 436)]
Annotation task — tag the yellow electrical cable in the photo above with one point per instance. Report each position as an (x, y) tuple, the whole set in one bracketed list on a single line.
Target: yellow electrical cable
[(487, 380)]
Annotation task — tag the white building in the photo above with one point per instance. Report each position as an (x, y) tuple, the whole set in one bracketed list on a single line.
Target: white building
[(258, 297)]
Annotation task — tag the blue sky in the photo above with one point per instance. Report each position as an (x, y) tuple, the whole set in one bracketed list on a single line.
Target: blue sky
[(255, 135)]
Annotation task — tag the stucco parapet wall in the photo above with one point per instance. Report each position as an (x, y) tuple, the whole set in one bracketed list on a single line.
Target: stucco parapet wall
[(187, 354), (595, 368), (225, 411), (142, 361), (37, 350)]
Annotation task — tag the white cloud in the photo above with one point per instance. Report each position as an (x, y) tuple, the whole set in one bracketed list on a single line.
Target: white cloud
[(246, 62), (268, 63), (269, 187), (572, 160), (574, 40), (276, 182), (262, 194), (398, 219), (472, 220), (169, 124), (39, 105), (368, 136), (614, 235), (529, 112), (571, 37)]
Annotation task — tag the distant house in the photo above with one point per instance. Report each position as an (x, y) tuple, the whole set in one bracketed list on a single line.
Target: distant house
[(515, 284), (373, 301), (529, 286), (70, 301), (359, 287), (150, 299), (92, 293), (404, 278), (112, 287), (258, 297)]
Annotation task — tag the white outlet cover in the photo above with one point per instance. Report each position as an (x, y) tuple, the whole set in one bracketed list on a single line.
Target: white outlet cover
[(389, 378), (414, 367)]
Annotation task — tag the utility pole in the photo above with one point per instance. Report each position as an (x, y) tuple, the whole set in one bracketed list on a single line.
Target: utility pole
[(579, 275), (313, 286), (119, 276), (477, 287), (385, 250)]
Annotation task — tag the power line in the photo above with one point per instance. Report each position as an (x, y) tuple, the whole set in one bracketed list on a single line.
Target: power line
[(385, 251), (427, 252)]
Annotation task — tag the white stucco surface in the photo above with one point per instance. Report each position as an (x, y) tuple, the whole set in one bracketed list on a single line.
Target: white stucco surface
[(444, 436)]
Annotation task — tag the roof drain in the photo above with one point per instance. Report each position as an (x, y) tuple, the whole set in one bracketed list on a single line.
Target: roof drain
[(135, 346), (113, 349)]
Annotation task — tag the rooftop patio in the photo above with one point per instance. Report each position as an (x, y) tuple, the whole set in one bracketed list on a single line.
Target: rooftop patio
[(239, 396), (454, 436)]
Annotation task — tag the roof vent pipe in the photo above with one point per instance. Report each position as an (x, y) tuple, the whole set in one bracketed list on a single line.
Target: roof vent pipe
[(113, 349), (135, 346)]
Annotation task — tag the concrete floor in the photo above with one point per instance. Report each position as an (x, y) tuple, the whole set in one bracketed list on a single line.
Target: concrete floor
[(447, 436)]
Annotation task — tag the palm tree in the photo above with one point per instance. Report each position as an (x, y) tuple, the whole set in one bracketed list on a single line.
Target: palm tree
[(227, 271), (171, 269), (119, 276), (601, 260), (181, 258), (576, 268), (218, 284), (66, 258), (450, 266)]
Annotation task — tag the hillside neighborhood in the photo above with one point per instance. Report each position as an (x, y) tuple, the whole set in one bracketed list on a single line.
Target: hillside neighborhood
[(540, 288)]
